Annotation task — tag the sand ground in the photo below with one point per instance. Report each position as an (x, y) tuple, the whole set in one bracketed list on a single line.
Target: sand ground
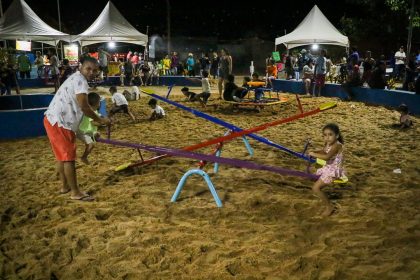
[(268, 228)]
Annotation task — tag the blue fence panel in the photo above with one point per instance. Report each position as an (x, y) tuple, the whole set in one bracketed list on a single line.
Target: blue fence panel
[(390, 98)]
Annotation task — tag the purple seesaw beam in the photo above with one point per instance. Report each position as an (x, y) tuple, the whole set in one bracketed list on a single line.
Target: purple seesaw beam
[(221, 160)]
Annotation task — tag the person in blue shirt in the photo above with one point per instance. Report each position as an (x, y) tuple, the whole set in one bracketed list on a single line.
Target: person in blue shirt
[(190, 65), (353, 58)]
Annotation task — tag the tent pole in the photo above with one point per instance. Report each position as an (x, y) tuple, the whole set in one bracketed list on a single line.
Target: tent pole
[(410, 29), (168, 22), (59, 28), (146, 57), (1, 15)]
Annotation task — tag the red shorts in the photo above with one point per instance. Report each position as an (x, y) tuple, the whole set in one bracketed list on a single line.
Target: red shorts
[(63, 141), (320, 80)]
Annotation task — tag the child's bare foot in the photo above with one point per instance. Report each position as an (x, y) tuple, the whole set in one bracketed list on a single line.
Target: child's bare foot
[(328, 211), (85, 160)]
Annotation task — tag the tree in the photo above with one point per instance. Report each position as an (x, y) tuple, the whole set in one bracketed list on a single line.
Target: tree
[(381, 28)]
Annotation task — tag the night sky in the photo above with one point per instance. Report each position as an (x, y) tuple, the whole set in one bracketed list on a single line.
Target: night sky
[(225, 20)]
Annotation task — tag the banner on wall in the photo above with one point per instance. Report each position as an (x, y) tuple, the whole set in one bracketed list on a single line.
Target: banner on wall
[(71, 52), (23, 45)]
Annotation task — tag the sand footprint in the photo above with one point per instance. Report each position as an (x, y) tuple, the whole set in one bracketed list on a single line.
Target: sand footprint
[(102, 215)]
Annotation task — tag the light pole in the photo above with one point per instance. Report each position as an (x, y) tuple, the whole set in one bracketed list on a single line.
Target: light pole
[(146, 55), (168, 21), (59, 27), (410, 29)]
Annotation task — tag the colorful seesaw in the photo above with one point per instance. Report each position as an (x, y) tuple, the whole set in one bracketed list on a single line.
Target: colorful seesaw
[(208, 158), (235, 132)]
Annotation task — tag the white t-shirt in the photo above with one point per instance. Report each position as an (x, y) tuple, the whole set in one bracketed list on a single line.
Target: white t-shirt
[(119, 99), (159, 110), (64, 108), (205, 85), (398, 56), (136, 91)]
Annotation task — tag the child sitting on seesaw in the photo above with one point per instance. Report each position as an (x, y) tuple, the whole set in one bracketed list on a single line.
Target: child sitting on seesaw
[(120, 104), (333, 155), (259, 91), (157, 112), (204, 96), (88, 129)]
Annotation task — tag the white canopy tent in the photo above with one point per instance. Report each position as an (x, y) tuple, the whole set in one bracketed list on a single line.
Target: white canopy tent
[(314, 29), (111, 26), (20, 22)]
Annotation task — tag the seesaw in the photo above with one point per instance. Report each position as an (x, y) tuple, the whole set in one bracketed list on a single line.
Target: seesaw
[(207, 158), (236, 132), (233, 127), (264, 102)]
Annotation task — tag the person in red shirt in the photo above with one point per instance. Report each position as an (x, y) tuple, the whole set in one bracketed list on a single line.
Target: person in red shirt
[(135, 62), (129, 55)]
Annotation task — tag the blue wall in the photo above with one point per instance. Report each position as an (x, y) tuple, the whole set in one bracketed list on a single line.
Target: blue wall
[(17, 123), (26, 101), (21, 123), (391, 98), (25, 83)]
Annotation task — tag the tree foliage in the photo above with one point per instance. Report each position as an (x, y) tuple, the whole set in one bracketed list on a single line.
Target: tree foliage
[(380, 25)]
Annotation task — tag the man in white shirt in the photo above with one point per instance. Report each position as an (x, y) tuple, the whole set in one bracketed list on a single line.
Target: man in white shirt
[(62, 120), (400, 63), (120, 103)]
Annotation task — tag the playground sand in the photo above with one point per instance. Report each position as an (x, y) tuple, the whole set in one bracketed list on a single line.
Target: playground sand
[(269, 226)]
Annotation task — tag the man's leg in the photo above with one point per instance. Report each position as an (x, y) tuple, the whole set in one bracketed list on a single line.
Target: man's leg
[(69, 168), (220, 85), (65, 188)]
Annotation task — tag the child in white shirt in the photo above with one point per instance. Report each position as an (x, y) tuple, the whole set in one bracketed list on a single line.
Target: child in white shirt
[(157, 112), (204, 96), (120, 104), (133, 94)]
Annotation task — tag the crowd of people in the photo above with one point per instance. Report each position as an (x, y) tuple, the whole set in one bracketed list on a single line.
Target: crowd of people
[(353, 70)]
